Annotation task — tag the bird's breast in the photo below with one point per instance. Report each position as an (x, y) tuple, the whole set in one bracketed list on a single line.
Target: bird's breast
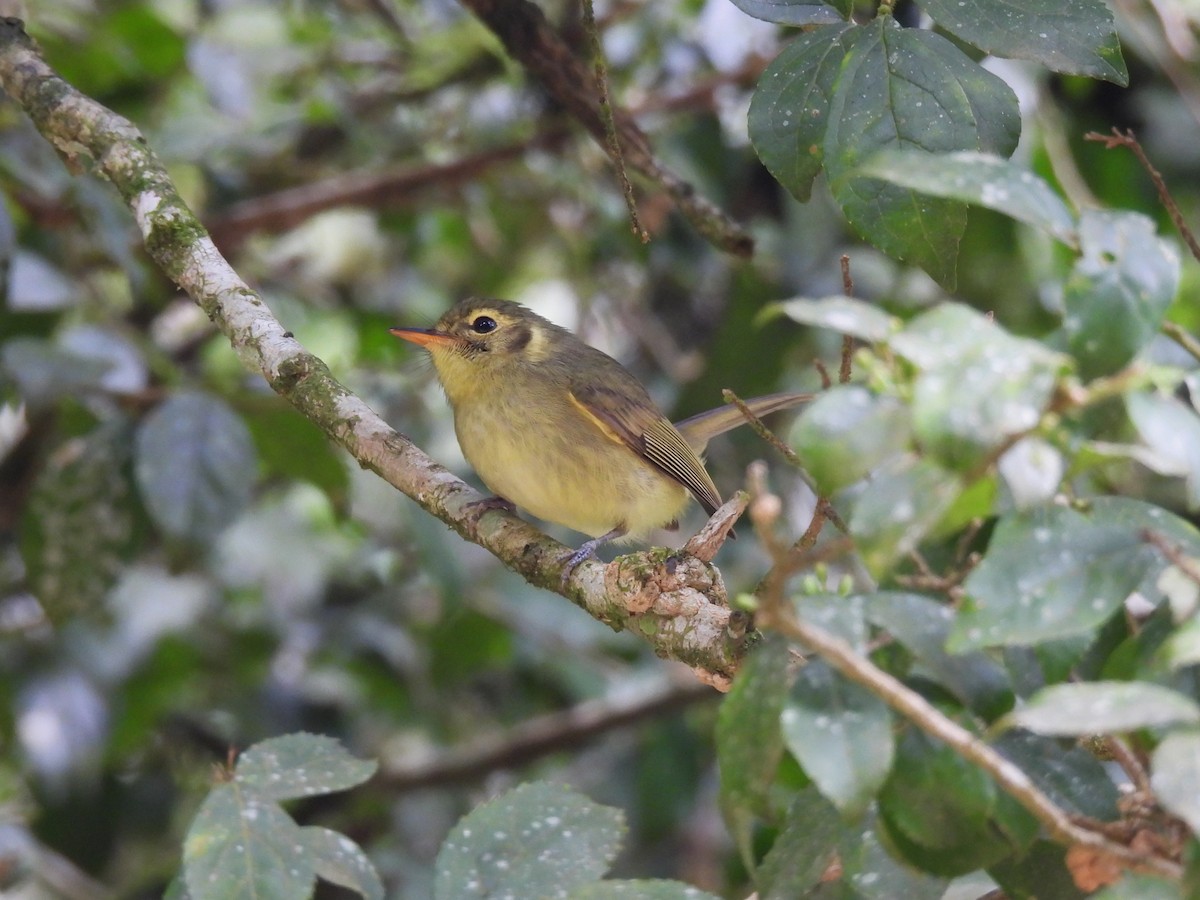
[(547, 459)]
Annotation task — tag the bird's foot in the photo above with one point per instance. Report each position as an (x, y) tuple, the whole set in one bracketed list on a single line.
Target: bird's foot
[(587, 550)]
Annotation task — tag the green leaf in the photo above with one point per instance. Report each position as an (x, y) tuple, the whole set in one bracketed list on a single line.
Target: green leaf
[(538, 840), (290, 446), (980, 179), (901, 504), (1039, 872), (978, 385), (794, 12), (44, 373), (1175, 775), (242, 845), (1070, 776), (1077, 38), (840, 616), (874, 874), (922, 625), (1140, 887), (841, 734), (640, 889), (195, 465), (1171, 430), (844, 315), (1100, 707), (803, 849), (944, 814), (1057, 572), (749, 742), (789, 112), (846, 433), (341, 861), (300, 765), (908, 88), (1119, 290), (79, 525)]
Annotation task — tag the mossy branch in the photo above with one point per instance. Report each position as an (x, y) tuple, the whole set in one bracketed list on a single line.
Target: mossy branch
[(682, 612)]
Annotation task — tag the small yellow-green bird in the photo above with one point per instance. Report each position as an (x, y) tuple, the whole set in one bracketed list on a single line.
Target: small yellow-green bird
[(562, 430)]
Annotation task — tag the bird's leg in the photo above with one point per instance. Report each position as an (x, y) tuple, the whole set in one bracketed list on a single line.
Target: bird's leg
[(588, 549), (479, 507)]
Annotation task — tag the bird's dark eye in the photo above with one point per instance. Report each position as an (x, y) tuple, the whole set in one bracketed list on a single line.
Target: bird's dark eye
[(483, 325)]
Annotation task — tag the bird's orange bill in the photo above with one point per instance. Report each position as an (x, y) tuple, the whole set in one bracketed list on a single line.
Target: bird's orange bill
[(423, 337)]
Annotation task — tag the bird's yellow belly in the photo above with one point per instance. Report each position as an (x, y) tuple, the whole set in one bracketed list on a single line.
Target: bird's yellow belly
[(587, 482)]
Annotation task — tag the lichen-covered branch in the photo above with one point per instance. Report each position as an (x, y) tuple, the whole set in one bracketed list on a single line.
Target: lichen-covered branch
[(679, 609)]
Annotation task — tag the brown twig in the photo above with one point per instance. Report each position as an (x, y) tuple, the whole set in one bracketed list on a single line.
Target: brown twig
[(846, 369), (757, 426), (611, 139), (522, 27), (539, 736), (289, 207), (1129, 140), (1184, 564)]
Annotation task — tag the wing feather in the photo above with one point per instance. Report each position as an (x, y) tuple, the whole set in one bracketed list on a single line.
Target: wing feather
[(649, 434)]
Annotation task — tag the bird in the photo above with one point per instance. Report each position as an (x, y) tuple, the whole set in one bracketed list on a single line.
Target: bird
[(563, 431)]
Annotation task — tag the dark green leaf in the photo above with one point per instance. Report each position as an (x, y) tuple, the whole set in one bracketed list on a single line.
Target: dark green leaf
[(1078, 38), (902, 503), (45, 373), (979, 179), (1100, 707), (1057, 572), (291, 446), (301, 765), (1040, 872), (1176, 775), (908, 88), (794, 12), (844, 315), (195, 465), (846, 433), (340, 861), (79, 525), (841, 734), (1140, 887), (922, 625), (244, 847), (978, 385), (1171, 430), (1119, 290), (802, 851), (789, 111), (874, 874), (1070, 776), (749, 742), (538, 840)]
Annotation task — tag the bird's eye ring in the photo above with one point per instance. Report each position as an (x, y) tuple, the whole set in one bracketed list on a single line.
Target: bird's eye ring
[(483, 325)]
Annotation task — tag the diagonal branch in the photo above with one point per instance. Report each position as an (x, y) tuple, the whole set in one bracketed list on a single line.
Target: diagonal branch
[(529, 39), (680, 609)]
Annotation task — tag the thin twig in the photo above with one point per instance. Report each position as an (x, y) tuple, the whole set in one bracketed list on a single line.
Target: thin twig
[(611, 138), (539, 736), (1124, 756), (1129, 140), (757, 426), (522, 27), (845, 371), (1184, 564), (1010, 777), (1183, 338)]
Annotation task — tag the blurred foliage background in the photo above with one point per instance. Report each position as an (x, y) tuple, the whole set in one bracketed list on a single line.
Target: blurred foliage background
[(187, 566)]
